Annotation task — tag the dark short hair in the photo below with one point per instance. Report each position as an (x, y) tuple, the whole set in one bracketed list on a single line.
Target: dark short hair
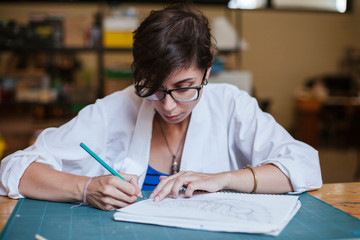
[(170, 39)]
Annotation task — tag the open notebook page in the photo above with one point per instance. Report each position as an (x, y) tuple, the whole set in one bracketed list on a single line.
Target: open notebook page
[(221, 211)]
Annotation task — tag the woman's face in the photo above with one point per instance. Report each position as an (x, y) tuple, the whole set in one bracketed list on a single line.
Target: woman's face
[(171, 110)]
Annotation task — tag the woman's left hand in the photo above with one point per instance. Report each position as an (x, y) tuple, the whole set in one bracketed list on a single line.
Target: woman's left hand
[(192, 181)]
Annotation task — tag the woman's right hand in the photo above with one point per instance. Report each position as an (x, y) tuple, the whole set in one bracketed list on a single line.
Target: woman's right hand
[(110, 192)]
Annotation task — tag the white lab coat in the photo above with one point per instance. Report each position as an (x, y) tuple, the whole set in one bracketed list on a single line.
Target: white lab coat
[(227, 131)]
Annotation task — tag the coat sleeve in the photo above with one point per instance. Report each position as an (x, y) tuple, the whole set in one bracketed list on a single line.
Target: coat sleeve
[(54, 146), (261, 140)]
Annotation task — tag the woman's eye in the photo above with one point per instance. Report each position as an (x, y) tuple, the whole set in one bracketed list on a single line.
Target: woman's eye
[(183, 90)]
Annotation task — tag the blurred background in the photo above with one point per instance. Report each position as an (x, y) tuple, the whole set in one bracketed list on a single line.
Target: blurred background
[(299, 58)]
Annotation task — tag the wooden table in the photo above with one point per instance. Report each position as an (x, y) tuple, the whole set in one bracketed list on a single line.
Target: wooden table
[(6, 207), (345, 196)]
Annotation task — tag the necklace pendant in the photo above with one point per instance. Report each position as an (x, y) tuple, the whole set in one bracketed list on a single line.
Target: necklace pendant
[(174, 165)]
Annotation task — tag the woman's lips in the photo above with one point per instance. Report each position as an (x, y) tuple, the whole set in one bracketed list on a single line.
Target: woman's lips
[(171, 118)]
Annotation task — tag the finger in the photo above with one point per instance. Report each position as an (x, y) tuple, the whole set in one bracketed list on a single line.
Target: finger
[(188, 179), (131, 178), (191, 188), (179, 179), (162, 183), (107, 197), (129, 186), (163, 177), (130, 190), (113, 188), (134, 181), (108, 203), (206, 184), (180, 182), (138, 193), (157, 188), (123, 197), (165, 191)]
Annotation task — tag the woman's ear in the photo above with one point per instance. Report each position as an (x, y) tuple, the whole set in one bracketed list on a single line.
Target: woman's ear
[(208, 72), (206, 80)]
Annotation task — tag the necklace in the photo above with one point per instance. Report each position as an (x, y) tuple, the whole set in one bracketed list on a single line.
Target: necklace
[(174, 167)]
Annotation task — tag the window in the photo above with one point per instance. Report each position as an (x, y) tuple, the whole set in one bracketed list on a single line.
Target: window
[(339, 6)]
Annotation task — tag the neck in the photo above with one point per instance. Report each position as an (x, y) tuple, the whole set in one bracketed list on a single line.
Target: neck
[(174, 137)]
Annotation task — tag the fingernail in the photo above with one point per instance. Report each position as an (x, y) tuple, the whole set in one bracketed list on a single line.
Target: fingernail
[(156, 199)]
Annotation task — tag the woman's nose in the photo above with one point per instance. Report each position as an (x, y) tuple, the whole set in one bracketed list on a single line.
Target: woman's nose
[(169, 103)]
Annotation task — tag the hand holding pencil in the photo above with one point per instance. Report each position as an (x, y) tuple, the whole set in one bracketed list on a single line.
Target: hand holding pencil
[(110, 192)]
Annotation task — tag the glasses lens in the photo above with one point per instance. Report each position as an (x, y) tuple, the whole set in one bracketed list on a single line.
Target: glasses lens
[(157, 96), (185, 95)]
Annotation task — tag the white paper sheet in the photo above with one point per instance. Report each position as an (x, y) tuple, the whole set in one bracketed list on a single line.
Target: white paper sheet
[(222, 211)]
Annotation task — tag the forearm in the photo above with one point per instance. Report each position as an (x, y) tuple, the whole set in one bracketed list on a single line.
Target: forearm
[(42, 182), (270, 180)]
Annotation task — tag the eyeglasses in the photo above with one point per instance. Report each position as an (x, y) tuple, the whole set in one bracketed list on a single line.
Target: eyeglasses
[(185, 94)]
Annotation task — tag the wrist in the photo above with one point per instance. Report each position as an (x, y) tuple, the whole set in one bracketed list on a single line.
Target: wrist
[(228, 180), (239, 180), (84, 199), (254, 176), (81, 188)]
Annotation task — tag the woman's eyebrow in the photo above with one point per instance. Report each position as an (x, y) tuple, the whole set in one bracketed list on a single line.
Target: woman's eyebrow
[(191, 79)]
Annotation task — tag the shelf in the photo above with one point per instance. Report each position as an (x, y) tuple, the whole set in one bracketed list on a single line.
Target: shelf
[(40, 111), (63, 49), (207, 2), (99, 51)]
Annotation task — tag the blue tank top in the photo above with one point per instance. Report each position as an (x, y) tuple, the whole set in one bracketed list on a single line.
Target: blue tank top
[(152, 178)]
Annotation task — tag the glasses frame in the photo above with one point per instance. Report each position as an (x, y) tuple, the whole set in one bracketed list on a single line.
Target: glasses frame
[(198, 88)]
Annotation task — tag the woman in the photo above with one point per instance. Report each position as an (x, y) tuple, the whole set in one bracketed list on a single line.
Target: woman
[(194, 135)]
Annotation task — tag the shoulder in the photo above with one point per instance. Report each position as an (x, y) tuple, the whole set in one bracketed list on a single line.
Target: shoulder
[(118, 97), (229, 102), (118, 106), (224, 93), (125, 101), (221, 89)]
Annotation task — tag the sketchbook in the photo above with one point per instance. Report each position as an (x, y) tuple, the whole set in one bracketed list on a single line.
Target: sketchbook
[(220, 211)]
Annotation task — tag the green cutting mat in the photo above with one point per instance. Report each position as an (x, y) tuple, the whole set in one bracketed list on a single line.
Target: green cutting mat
[(315, 220)]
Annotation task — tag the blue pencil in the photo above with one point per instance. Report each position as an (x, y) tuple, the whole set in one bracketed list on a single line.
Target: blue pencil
[(97, 158)]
